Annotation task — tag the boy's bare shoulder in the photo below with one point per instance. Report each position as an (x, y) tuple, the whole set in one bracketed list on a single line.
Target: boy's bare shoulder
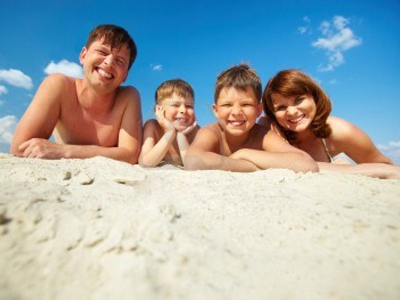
[(151, 124), (210, 129)]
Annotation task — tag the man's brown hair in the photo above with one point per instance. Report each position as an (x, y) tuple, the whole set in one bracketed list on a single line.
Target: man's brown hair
[(114, 36)]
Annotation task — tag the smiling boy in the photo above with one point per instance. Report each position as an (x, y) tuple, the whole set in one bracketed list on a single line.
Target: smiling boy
[(167, 138), (90, 116), (236, 142)]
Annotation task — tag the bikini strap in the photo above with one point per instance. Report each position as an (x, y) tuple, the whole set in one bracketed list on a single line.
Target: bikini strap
[(327, 150)]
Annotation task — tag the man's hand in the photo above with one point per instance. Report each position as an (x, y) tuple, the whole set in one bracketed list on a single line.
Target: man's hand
[(41, 148)]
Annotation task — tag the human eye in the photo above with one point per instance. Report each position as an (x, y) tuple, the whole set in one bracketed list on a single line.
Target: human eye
[(280, 108), (121, 61), (299, 99)]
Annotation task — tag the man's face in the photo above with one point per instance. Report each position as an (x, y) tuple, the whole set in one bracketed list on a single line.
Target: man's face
[(105, 68)]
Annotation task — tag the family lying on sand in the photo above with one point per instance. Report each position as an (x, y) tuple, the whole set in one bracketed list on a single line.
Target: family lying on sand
[(96, 116)]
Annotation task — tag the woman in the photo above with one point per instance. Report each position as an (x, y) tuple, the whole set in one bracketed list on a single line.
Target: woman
[(299, 110)]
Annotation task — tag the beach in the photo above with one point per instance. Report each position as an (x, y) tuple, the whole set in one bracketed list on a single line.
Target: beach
[(102, 229)]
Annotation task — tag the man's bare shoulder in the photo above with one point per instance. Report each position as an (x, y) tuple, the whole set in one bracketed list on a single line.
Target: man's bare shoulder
[(128, 93), (59, 83)]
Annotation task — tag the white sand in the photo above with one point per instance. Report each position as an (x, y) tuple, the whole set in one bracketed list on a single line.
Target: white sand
[(101, 229)]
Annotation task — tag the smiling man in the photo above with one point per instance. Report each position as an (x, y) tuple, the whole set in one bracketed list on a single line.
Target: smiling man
[(89, 116)]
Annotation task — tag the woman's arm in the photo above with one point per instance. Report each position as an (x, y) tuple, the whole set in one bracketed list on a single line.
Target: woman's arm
[(354, 142)]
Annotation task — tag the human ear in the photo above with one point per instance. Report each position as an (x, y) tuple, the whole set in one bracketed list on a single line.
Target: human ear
[(259, 109), (215, 110), (82, 55)]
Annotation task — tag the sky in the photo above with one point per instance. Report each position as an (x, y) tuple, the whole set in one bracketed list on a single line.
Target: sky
[(352, 48)]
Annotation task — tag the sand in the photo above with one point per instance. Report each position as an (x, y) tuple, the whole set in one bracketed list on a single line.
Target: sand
[(102, 229)]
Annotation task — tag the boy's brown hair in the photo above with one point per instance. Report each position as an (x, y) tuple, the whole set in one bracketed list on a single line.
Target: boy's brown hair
[(240, 77), (296, 83), (114, 36), (174, 86)]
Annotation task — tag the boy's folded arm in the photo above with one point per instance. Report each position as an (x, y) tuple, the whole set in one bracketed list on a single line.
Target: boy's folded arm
[(202, 155), (295, 161), (152, 152)]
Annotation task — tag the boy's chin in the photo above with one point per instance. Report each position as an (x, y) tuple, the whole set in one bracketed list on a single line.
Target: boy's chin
[(181, 127)]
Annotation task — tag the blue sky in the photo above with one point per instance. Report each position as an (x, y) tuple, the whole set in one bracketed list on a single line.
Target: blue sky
[(351, 47)]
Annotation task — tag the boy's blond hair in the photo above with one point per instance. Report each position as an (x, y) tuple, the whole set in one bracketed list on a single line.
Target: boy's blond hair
[(178, 87), (240, 77)]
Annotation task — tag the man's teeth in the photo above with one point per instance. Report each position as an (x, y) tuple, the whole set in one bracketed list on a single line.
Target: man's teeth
[(105, 74)]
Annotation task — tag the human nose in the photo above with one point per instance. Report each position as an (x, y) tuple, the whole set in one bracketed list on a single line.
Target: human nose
[(182, 108), (236, 109), (109, 60), (291, 110)]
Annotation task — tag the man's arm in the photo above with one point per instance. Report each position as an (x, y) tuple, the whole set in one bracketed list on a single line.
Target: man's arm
[(42, 114), (278, 154), (203, 154)]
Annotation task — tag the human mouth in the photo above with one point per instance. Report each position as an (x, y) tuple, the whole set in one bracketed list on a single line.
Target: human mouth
[(236, 123), (181, 120), (105, 74), (297, 119)]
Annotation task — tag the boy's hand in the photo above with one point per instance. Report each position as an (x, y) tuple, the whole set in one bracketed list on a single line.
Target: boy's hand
[(164, 123), (190, 128), (241, 155)]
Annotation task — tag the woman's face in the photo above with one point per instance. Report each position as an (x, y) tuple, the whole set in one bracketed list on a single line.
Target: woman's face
[(294, 113)]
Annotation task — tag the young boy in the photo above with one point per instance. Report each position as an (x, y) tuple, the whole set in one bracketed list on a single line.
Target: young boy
[(90, 116), (236, 142), (167, 138)]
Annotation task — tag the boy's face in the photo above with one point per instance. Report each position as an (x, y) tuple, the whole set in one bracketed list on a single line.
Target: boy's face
[(105, 68), (179, 111), (237, 110)]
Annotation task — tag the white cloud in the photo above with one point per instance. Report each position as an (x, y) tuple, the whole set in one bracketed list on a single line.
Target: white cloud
[(7, 128), (391, 150), (156, 67), (65, 67), (16, 78), (337, 38), (3, 91), (306, 28)]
